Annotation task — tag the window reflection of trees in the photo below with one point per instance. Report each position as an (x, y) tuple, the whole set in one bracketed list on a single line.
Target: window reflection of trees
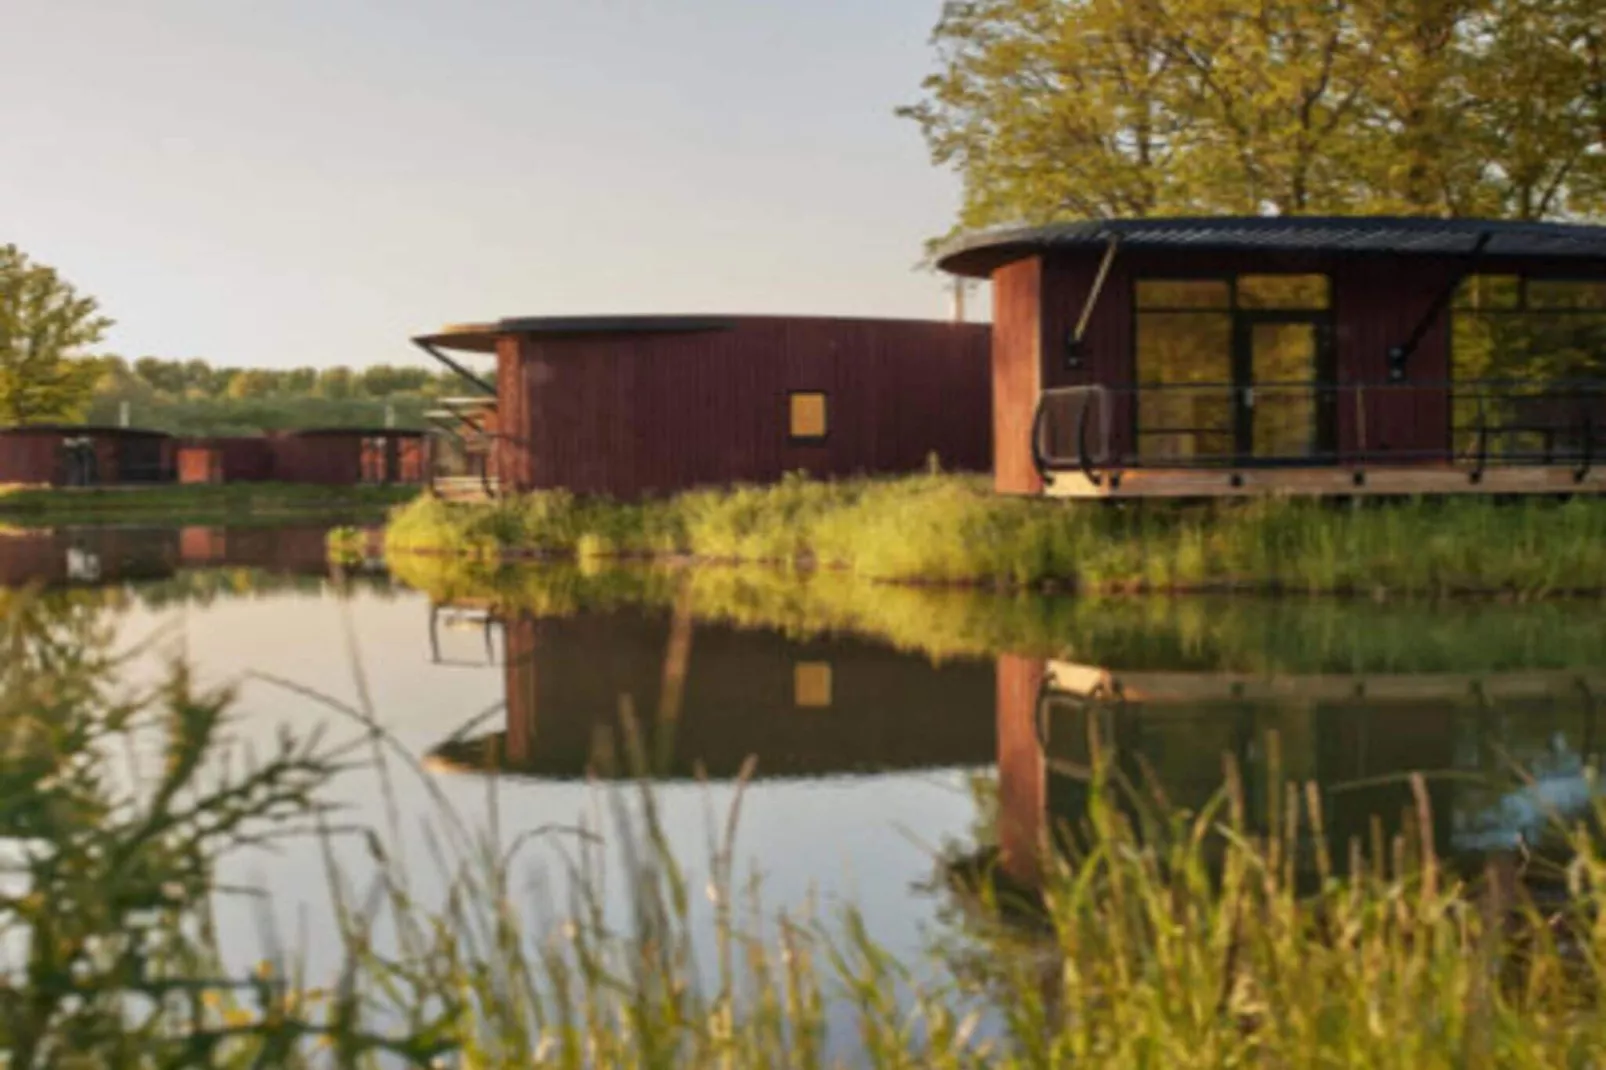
[(1532, 345)]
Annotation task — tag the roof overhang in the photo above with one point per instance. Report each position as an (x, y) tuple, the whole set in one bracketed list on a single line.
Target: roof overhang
[(482, 337), (979, 254)]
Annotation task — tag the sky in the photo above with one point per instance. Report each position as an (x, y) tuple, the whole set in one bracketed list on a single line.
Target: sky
[(295, 182)]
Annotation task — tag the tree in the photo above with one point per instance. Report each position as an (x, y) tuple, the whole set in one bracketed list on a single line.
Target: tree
[(1065, 109), (45, 325), (251, 383), (335, 383)]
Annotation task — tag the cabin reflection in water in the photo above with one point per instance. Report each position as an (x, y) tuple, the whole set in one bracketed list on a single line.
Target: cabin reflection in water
[(59, 557), (1358, 737), (708, 696)]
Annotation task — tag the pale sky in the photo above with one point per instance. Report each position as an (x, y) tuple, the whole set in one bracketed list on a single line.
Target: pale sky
[(286, 182)]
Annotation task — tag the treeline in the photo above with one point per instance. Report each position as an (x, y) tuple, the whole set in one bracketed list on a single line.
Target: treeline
[(194, 397)]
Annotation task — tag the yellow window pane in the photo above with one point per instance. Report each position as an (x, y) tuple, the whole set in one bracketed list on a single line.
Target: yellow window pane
[(1183, 293), (811, 684), (1486, 292), (808, 415), (1284, 291), (1567, 293)]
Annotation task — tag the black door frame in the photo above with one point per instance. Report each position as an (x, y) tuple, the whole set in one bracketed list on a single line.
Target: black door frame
[(1244, 321)]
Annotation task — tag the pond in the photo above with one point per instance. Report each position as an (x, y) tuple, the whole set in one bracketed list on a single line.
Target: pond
[(870, 742)]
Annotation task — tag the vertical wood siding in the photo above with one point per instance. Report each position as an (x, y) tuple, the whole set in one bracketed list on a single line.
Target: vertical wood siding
[(633, 414), (334, 460), (1017, 356), (30, 457)]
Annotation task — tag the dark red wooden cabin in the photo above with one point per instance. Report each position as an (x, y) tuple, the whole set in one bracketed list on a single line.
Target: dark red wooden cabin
[(640, 405), (242, 459), (1182, 357), (348, 456), (80, 455)]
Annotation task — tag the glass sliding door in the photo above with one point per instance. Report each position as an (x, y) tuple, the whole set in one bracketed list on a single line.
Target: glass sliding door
[(1279, 397), (1184, 411), (1231, 370)]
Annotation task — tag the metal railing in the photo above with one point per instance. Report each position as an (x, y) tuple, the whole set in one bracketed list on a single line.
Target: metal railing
[(1476, 424)]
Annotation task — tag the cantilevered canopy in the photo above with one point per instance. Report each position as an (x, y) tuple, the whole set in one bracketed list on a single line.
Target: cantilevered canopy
[(979, 254), (481, 337)]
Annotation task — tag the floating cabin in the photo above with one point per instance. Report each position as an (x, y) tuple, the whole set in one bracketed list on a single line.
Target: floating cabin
[(79, 455), (336, 456), (1329, 356), (632, 406)]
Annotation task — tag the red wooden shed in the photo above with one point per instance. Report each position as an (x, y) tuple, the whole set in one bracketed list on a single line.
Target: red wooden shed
[(1228, 356), (639, 405)]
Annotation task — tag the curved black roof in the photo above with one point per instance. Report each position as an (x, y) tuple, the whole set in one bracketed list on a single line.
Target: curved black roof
[(482, 337), (103, 430), (980, 253)]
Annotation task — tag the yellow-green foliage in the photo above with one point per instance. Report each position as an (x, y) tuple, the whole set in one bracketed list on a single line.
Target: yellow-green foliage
[(946, 529)]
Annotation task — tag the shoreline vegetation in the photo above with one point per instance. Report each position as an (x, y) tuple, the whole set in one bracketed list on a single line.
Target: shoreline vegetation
[(197, 503), (1161, 937), (946, 530)]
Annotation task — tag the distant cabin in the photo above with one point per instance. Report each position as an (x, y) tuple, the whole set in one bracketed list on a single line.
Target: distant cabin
[(631, 406)]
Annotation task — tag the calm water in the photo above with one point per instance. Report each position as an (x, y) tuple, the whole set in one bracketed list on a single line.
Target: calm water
[(873, 763)]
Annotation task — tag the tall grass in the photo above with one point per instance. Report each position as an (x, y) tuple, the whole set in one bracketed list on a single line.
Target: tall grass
[(1160, 937), (953, 530)]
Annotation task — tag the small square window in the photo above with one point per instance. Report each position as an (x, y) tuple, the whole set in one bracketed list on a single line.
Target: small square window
[(811, 684), (807, 417)]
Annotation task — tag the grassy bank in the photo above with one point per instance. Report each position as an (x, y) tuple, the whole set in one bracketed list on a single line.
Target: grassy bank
[(952, 530), (1198, 939), (197, 503)]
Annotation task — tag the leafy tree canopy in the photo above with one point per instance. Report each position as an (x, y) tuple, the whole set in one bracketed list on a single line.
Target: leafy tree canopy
[(1067, 109), (45, 325)]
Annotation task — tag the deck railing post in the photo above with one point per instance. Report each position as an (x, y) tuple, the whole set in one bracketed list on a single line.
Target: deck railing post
[(1039, 418), (1589, 449)]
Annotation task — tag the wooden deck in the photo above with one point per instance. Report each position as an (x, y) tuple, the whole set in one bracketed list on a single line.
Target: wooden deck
[(1333, 482)]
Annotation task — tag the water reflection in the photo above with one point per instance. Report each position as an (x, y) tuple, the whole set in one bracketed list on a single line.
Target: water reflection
[(707, 696), (1502, 754), (97, 556)]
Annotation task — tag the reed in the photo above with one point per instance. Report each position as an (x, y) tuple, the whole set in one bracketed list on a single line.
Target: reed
[(935, 529)]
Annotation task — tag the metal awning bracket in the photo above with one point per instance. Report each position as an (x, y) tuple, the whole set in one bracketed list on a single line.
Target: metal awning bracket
[(434, 351), (1073, 344), (1400, 355)]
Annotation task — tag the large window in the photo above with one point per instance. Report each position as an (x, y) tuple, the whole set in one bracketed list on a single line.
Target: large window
[(1191, 384), (1518, 346)]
